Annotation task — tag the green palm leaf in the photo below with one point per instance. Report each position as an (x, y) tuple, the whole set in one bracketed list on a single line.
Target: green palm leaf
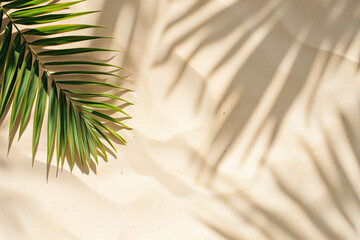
[(29, 95), (82, 63), (79, 82), (75, 123), (70, 51), (31, 12), (63, 40), (98, 95), (50, 30), (23, 3), (39, 110), (21, 87), (49, 18), (52, 118)]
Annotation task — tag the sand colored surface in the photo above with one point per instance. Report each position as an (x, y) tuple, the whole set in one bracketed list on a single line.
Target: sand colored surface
[(246, 127)]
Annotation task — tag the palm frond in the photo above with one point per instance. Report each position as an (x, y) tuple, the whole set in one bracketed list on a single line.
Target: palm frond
[(74, 122)]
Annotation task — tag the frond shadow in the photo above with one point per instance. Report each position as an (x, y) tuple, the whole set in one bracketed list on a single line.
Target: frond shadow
[(331, 173), (274, 64)]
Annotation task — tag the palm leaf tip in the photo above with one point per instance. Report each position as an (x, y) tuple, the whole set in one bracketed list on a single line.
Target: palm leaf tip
[(70, 127)]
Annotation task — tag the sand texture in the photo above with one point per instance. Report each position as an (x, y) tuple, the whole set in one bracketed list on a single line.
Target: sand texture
[(246, 127)]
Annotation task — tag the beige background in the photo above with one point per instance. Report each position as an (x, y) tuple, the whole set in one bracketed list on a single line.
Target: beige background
[(246, 127)]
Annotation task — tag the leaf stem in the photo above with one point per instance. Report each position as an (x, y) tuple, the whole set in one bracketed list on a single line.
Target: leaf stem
[(35, 54), (27, 43)]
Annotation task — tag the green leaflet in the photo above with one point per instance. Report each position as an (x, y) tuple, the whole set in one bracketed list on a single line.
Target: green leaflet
[(1, 16), (77, 136), (39, 110), (31, 12), (59, 128), (95, 130), (11, 69), (11, 84), (102, 134), (23, 3), (85, 140), (91, 131), (63, 40), (49, 18), (64, 125), (20, 90), (97, 122), (74, 134), (92, 103), (50, 30), (98, 95), (82, 63), (86, 72), (91, 140), (29, 95), (71, 135), (5, 44), (52, 118), (80, 82), (102, 115), (71, 51)]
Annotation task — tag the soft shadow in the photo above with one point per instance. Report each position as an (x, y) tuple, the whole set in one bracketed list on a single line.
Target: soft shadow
[(261, 95)]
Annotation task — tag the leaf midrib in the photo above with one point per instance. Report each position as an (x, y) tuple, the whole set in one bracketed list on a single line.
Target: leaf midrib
[(35, 54)]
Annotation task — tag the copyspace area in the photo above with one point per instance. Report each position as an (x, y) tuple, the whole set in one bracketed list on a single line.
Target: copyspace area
[(246, 126)]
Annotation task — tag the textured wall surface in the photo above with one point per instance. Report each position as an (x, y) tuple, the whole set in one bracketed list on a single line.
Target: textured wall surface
[(246, 127)]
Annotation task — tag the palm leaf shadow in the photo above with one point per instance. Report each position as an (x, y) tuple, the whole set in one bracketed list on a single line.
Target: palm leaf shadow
[(331, 175), (290, 67)]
